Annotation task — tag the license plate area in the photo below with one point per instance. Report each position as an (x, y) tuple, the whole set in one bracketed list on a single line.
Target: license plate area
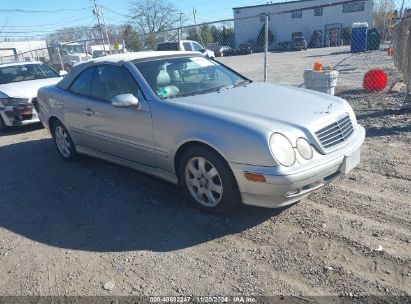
[(351, 161)]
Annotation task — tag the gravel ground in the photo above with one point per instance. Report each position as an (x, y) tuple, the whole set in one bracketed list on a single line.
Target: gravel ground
[(93, 228)]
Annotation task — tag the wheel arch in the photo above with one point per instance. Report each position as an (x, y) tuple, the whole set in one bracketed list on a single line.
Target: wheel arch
[(52, 120), (191, 144)]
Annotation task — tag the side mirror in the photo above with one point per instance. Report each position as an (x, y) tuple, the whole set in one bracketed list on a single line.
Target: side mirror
[(63, 73), (125, 100)]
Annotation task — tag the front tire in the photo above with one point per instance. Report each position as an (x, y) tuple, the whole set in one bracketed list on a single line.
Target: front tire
[(63, 141), (3, 126), (208, 180)]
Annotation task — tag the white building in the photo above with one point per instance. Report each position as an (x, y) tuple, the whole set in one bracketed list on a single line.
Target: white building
[(302, 18), (23, 50)]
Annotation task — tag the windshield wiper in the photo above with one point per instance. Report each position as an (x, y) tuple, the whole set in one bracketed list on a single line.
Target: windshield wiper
[(226, 86), (204, 91)]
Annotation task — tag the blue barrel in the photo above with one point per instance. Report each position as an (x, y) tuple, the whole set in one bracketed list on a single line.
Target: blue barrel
[(359, 37)]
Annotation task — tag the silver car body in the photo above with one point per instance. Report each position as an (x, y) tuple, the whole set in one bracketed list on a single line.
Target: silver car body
[(26, 90), (237, 123)]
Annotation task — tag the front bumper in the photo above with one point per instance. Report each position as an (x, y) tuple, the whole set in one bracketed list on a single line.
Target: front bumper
[(20, 115), (283, 189)]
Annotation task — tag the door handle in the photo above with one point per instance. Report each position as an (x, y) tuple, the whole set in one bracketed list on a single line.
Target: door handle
[(88, 112)]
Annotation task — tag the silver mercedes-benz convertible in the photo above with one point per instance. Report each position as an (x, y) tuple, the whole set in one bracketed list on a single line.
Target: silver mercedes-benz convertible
[(194, 122)]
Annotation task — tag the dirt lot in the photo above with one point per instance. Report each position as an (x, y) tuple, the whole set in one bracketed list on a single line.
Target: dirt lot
[(71, 228)]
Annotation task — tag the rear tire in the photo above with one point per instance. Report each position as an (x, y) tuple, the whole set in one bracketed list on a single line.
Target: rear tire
[(208, 181), (63, 142)]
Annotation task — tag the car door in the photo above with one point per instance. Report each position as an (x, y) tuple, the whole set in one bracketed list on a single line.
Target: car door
[(75, 101), (123, 132)]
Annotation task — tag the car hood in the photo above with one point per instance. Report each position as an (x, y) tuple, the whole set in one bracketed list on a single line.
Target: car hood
[(274, 107), (26, 89)]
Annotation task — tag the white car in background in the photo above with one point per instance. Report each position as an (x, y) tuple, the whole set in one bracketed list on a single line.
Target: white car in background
[(185, 46), (19, 83)]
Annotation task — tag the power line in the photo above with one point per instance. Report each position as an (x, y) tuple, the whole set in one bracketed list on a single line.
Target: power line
[(45, 33), (63, 22), (18, 10), (114, 12), (39, 31)]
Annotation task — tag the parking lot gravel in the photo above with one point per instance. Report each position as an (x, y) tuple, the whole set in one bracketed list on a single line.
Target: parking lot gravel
[(94, 228)]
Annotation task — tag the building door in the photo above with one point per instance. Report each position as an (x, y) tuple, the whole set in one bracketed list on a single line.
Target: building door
[(334, 36)]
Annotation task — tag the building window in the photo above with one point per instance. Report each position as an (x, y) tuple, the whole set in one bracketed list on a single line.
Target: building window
[(296, 14), (353, 7), (318, 11)]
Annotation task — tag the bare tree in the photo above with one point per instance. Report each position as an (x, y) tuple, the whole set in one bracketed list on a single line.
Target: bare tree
[(84, 33), (150, 16), (383, 13)]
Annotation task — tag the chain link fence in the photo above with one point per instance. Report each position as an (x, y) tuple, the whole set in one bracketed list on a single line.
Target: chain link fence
[(402, 49), (278, 42)]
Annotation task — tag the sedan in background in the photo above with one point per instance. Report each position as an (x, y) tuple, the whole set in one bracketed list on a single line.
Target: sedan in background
[(299, 43), (194, 122), (19, 83), (221, 51)]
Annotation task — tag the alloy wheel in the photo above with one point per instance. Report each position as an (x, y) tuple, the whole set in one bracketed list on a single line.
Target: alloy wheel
[(203, 181), (62, 141)]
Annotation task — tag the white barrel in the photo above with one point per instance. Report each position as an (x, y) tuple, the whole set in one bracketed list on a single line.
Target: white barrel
[(324, 81)]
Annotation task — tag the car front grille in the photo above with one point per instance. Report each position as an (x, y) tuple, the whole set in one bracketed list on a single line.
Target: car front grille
[(335, 133)]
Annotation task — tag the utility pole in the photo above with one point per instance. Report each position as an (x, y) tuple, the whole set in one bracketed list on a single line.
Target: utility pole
[(195, 24), (105, 29), (266, 20), (96, 11), (194, 14), (180, 30)]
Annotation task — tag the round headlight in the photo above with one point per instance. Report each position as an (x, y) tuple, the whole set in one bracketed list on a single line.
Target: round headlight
[(282, 149), (304, 148)]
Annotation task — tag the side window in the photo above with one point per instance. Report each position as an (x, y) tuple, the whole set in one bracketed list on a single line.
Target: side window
[(187, 46), (82, 84), (110, 81), (197, 47)]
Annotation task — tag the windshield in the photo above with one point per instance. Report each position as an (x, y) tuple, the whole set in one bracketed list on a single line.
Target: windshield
[(185, 76), (70, 49), (168, 46), (99, 53), (24, 72)]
